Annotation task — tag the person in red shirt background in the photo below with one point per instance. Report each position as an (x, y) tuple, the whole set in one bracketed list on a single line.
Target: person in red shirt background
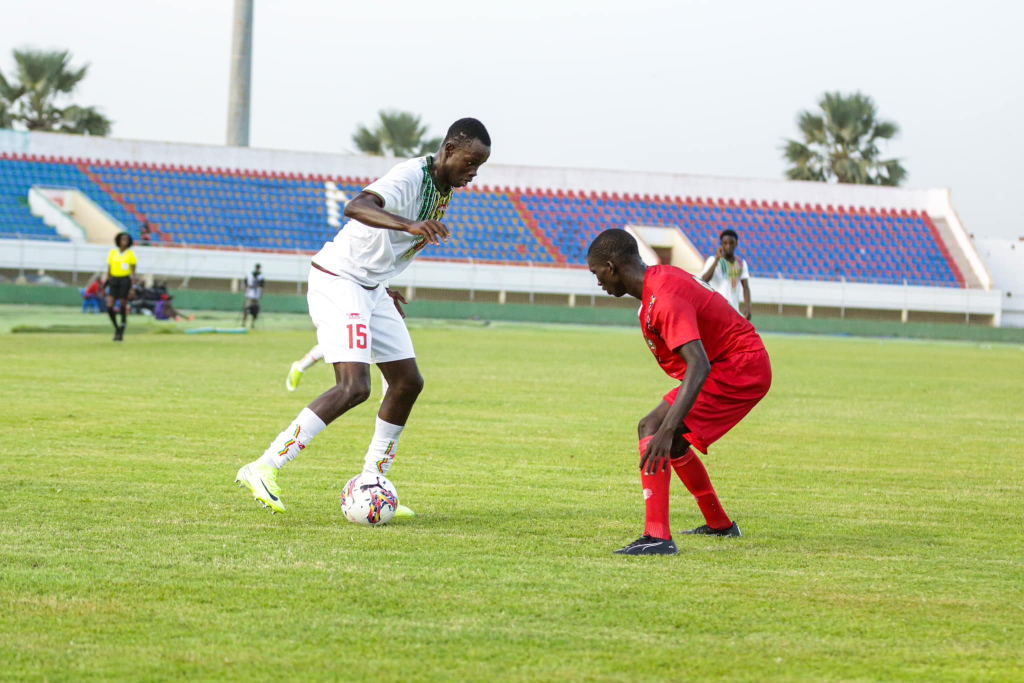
[(699, 339), (94, 288), (94, 292)]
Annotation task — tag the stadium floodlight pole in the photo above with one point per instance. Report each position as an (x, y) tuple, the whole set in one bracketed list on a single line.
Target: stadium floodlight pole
[(241, 75)]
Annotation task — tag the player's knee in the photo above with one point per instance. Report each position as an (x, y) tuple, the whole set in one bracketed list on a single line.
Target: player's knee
[(409, 385), (359, 393), (648, 426), (352, 393)]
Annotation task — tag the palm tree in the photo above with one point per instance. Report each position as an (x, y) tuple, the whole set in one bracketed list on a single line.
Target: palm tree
[(7, 97), (31, 99), (841, 144), (396, 133)]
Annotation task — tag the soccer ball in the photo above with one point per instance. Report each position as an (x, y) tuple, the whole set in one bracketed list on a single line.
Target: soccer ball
[(369, 499)]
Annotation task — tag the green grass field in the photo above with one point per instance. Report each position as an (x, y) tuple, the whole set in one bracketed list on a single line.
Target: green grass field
[(879, 486)]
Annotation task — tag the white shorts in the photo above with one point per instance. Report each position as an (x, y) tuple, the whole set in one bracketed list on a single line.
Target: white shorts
[(355, 324)]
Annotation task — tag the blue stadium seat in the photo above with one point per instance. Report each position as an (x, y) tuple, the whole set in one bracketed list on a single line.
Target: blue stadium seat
[(284, 211)]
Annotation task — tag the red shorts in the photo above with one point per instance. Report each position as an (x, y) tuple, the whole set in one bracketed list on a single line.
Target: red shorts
[(733, 388)]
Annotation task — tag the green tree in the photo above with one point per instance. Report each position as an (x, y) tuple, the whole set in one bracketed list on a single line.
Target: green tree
[(396, 133), (7, 97), (841, 144), (35, 97)]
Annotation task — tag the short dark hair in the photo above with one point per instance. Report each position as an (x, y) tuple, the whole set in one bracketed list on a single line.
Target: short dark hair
[(614, 245), (465, 131), (728, 232), (117, 239)]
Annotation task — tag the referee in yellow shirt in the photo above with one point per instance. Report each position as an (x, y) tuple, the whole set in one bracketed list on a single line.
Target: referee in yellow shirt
[(120, 279)]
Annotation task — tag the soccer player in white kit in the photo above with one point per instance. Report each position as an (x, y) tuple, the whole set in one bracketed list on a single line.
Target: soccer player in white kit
[(299, 367), (315, 355), (358, 319), (726, 272)]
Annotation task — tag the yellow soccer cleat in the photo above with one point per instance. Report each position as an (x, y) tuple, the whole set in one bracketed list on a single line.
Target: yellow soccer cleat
[(291, 382), (261, 480), (403, 511)]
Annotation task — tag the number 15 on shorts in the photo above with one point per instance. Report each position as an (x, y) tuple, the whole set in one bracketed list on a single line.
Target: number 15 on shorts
[(357, 336)]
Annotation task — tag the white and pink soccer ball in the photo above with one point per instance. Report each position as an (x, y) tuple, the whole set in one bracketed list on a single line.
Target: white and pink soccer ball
[(369, 500)]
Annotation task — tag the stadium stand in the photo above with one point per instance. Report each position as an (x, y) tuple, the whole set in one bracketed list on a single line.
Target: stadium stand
[(18, 175), (215, 208), (259, 210), (795, 241)]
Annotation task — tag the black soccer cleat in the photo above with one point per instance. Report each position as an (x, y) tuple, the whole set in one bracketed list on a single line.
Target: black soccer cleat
[(648, 545), (119, 333), (705, 530)]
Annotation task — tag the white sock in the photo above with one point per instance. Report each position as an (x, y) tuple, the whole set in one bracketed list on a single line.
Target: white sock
[(383, 448), (311, 358), (292, 440)]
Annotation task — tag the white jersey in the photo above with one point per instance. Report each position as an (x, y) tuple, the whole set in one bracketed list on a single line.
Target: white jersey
[(371, 255), (727, 278), (253, 287)]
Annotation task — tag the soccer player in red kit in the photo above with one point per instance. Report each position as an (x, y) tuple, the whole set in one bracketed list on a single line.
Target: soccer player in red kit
[(699, 339)]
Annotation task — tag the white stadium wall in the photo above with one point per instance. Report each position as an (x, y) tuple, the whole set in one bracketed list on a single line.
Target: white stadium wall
[(1005, 259), (578, 283), (287, 267)]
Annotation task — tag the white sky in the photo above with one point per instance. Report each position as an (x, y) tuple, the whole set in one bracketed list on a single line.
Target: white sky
[(693, 86)]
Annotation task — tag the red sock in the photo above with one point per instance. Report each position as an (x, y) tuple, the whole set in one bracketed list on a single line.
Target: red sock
[(656, 498), (693, 475)]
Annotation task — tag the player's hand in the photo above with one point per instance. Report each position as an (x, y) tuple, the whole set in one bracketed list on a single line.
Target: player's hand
[(399, 300), (434, 231), (748, 312), (658, 455), (719, 253)]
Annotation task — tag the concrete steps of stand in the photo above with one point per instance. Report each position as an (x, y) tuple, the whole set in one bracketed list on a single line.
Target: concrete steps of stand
[(970, 277)]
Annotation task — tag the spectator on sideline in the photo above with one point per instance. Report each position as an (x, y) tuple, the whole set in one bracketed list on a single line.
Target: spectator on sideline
[(146, 298), (724, 271), (253, 294), (145, 234), (165, 310), (94, 292)]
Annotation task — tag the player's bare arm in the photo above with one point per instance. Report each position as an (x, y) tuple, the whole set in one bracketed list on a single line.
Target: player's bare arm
[(698, 367), (746, 298), (368, 209), (710, 272), (398, 299)]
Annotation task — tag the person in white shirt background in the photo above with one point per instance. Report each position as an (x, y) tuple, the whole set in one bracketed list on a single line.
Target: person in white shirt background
[(725, 272), (359, 320), (253, 293)]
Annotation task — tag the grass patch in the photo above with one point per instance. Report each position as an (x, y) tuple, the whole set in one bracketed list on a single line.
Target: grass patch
[(879, 485)]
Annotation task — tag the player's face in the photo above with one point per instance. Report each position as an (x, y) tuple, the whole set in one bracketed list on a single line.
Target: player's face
[(464, 161), (729, 246), (607, 277), (122, 242)]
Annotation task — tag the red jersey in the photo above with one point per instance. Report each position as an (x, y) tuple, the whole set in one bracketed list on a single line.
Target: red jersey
[(679, 308)]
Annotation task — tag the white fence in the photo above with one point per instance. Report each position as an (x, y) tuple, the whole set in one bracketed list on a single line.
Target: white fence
[(187, 263)]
